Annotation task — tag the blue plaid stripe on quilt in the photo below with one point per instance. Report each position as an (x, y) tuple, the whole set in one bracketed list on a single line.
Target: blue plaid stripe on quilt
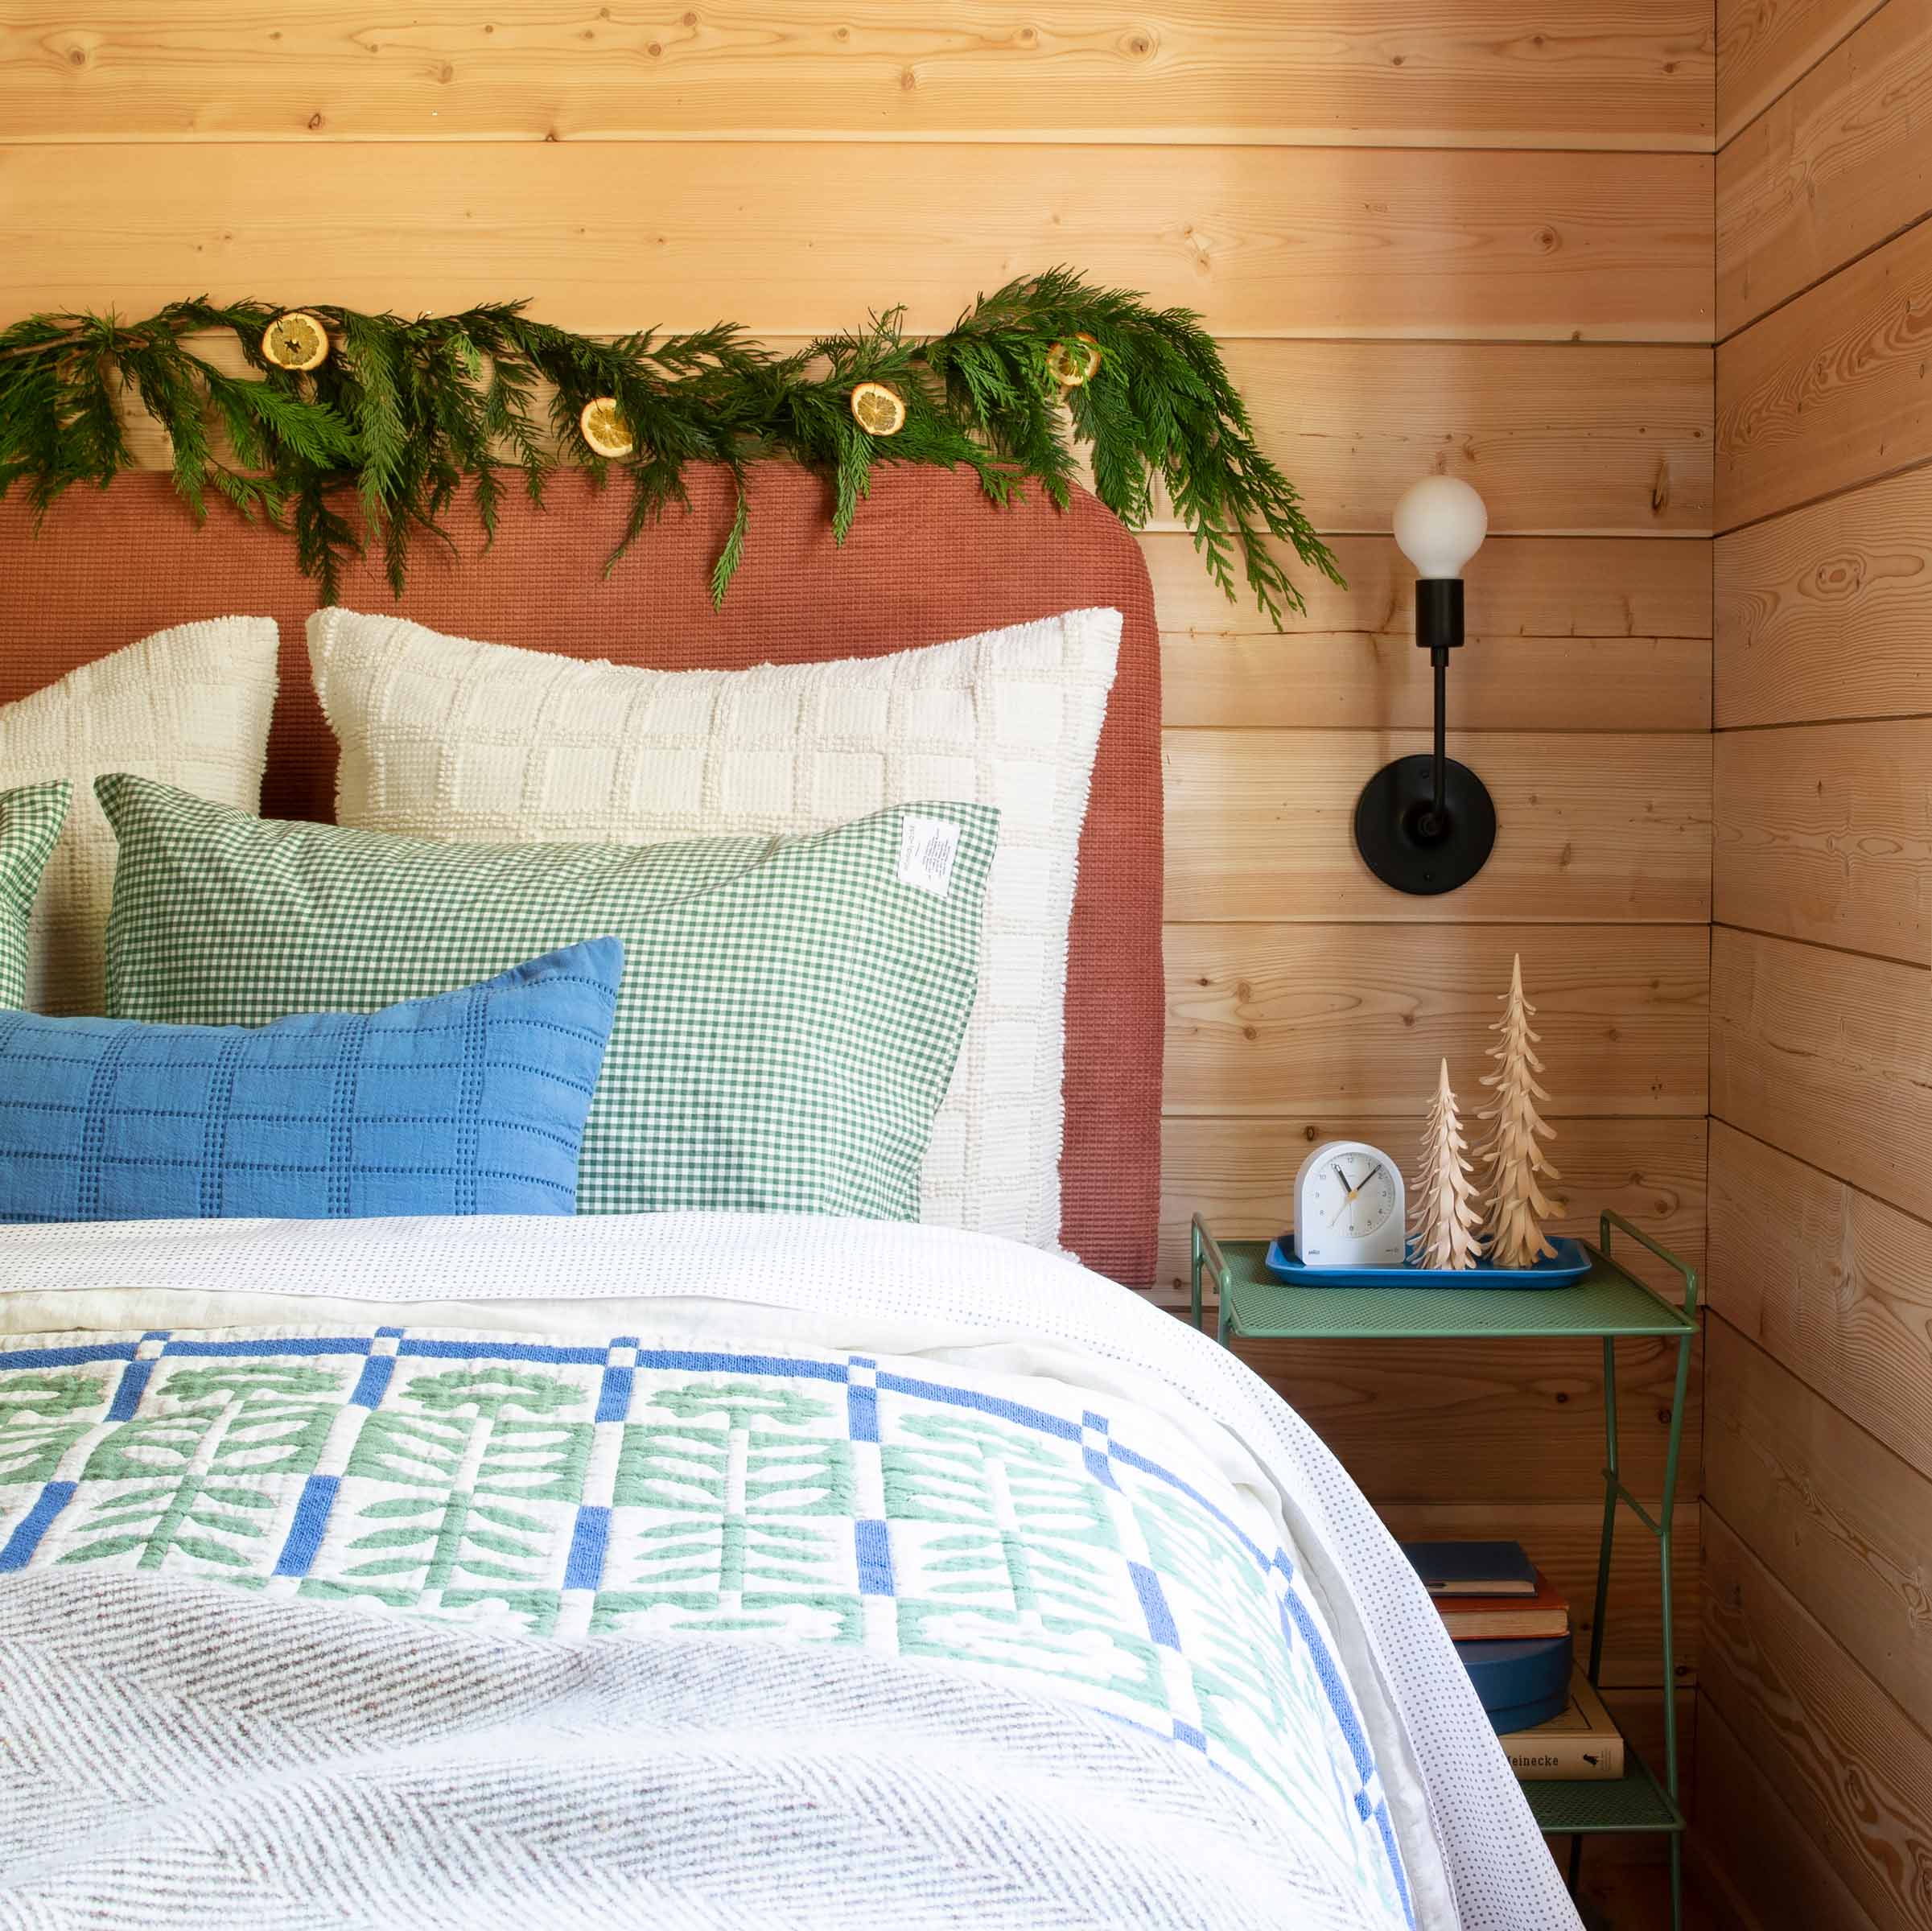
[(1002, 1526)]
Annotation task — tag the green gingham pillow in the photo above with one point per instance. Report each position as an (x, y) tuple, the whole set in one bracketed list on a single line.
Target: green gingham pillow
[(790, 1011), (30, 819)]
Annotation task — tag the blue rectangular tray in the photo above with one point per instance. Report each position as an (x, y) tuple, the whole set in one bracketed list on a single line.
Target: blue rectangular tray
[(1564, 1269)]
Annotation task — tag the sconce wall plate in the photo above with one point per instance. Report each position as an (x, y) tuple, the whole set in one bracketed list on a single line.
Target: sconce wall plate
[(1404, 840)]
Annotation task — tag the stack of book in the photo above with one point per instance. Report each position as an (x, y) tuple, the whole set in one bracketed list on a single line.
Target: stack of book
[(1512, 1630)]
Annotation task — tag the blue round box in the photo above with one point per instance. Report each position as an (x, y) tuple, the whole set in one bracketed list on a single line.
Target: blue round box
[(1521, 1683)]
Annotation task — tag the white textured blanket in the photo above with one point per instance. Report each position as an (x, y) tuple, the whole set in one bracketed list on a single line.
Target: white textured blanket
[(187, 1759), (1468, 1846)]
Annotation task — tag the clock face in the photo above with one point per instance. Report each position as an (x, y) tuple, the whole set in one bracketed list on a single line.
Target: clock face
[(1352, 1195)]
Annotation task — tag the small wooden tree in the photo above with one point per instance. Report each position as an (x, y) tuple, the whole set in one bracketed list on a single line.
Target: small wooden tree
[(1517, 1205), (1447, 1211)]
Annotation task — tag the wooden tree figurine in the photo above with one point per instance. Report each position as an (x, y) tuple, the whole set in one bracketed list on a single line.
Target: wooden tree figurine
[(1447, 1213), (1517, 1206)]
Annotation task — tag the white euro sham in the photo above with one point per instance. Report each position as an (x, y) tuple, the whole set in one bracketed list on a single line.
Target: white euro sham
[(448, 738), (188, 707)]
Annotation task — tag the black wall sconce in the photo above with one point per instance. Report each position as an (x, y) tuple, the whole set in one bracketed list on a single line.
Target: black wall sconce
[(1427, 823)]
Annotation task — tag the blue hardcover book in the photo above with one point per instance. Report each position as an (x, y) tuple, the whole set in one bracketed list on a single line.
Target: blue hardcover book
[(1473, 1568), (1520, 1684)]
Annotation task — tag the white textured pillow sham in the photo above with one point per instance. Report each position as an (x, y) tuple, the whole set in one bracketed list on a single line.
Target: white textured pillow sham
[(444, 737), (189, 707)]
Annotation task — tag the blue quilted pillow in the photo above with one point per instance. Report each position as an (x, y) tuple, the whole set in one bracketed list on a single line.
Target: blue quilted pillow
[(468, 1103)]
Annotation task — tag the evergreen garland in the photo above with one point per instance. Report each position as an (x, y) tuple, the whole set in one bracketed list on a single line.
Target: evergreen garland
[(373, 445)]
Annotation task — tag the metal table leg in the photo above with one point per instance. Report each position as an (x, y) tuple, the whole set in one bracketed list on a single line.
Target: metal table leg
[(1660, 1526)]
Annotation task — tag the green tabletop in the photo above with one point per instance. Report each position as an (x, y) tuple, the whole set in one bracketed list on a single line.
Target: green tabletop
[(1607, 1301)]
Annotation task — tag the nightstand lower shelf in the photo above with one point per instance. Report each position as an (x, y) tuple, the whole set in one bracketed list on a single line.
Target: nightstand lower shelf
[(1633, 1802)]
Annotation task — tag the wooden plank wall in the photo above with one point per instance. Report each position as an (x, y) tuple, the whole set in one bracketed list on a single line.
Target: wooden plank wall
[(1815, 1718), (1464, 235)]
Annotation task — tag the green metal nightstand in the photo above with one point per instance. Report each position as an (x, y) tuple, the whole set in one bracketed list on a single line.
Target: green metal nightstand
[(1608, 1304)]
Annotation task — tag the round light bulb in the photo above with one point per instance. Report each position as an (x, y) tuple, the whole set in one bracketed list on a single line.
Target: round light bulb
[(1439, 524)]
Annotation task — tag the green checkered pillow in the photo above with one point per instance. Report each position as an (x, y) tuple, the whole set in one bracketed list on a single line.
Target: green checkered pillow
[(30, 819), (791, 1007)]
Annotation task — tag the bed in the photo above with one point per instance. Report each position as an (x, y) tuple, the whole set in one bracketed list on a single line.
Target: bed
[(699, 1568)]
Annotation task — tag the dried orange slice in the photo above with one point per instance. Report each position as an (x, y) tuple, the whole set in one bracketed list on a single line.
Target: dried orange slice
[(605, 429), (296, 341), (877, 410), (1073, 363)]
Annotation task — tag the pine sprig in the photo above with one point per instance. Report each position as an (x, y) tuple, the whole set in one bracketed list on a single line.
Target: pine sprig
[(372, 448)]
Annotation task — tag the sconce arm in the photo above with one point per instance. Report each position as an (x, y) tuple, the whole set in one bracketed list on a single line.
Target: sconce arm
[(1439, 630), (1426, 825)]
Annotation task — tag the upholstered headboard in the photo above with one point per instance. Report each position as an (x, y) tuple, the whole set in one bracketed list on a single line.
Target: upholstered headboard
[(929, 559)]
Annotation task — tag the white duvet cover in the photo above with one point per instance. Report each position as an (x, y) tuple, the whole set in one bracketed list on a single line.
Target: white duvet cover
[(1002, 1551)]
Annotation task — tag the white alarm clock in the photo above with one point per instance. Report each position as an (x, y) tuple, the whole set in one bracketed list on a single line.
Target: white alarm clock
[(1349, 1208)]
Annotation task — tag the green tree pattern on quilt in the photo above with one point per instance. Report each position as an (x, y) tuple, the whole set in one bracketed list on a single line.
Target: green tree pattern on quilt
[(987, 1523), (463, 1460), (193, 1481), (42, 1416), (747, 1488), (1018, 1548)]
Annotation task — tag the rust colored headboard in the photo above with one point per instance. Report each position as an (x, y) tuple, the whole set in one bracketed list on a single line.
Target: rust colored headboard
[(929, 559)]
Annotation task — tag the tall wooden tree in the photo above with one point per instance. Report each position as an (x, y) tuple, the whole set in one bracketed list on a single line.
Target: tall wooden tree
[(1447, 1211), (1517, 1204)]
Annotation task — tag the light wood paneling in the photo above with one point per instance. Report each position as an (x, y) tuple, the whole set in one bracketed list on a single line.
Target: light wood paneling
[(1240, 1173), (1832, 168), (1362, 681), (1824, 833), (1831, 1283), (1578, 441), (1290, 1018), (1833, 389), (1827, 1054), (1623, 619), (1817, 1665), (1843, 1522), (1617, 828), (1763, 46), (1855, 1771), (1275, 242), (1439, 1421), (1589, 588), (1562, 1540), (1489, 73), (1826, 612), (1763, 1856)]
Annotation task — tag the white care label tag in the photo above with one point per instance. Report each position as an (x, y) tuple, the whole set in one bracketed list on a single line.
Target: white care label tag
[(927, 848)]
